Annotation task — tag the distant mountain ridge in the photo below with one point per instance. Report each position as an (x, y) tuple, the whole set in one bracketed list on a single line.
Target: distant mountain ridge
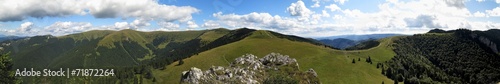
[(346, 41), (359, 37), (4, 38), (340, 43)]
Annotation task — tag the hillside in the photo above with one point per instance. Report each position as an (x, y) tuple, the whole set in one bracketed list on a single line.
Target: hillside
[(332, 66), (457, 56), (364, 44), (340, 43), (160, 57), (109, 49)]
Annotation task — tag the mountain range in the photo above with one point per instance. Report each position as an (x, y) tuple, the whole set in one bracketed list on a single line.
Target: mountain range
[(161, 57), (359, 37), (350, 41)]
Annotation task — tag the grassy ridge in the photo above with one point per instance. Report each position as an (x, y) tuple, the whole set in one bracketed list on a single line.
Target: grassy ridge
[(128, 48), (101, 47), (332, 66)]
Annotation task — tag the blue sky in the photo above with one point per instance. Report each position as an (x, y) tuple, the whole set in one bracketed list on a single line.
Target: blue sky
[(309, 18)]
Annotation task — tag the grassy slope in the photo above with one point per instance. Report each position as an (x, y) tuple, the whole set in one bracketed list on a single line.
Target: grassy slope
[(332, 66)]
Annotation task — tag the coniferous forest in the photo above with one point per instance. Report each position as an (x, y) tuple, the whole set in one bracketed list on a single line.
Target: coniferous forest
[(443, 57)]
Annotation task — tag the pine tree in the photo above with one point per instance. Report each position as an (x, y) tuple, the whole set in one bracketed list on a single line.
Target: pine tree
[(180, 62), (383, 71), (6, 75), (353, 61)]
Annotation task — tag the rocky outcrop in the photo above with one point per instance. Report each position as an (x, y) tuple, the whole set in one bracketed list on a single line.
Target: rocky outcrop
[(251, 70), (486, 42)]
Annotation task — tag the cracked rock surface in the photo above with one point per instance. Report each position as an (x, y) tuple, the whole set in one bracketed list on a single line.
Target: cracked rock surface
[(248, 69)]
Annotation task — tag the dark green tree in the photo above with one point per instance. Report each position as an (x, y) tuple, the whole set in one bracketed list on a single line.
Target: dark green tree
[(6, 73), (369, 60), (353, 61), (383, 71), (180, 62)]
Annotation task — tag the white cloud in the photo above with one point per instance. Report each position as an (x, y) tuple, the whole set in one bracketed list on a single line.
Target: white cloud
[(142, 10), (64, 28), (325, 14), (210, 24), (479, 14), (15, 10), (145, 9), (353, 13), (139, 23), (480, 1), (425, 21), (121, 25), (341, 1), (498, 1), (316, 4), (456, 3), (333, 7), (191, 24), (299, 9), (26, 26), (258, 20), (168, 25), (494, 12)]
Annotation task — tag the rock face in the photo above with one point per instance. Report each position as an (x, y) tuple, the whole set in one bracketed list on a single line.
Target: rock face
[(486, 42), (251, 70)]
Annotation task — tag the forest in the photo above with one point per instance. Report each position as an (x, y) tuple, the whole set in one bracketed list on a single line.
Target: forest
[(443, 57)]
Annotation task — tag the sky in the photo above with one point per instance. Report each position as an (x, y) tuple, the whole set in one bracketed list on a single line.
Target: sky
[(307, 18)]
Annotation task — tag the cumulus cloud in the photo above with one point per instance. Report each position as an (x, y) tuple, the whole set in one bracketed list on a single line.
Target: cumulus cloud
[(15, 10), (191, 24), (353, 13), (122, 25), (139, 23), (168, 25), (143, 10), (426, 21), (494, 12), (479, 14), (299, 9), (26, 26), (64, 28), (210, 24), (456, 3), (316, 4), (258, 20), (57, 29), (341, 1), (333, 7)]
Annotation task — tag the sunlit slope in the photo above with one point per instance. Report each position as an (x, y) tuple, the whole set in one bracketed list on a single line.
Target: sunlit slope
[(103, 48), (332, 66)]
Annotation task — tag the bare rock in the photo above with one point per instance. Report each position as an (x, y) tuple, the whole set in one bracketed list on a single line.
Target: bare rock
[(246, 69)]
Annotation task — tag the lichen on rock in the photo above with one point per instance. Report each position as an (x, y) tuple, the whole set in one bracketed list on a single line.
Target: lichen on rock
[(251, 70)]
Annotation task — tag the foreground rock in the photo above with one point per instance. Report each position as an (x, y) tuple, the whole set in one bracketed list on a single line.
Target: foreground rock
[(273, 68)]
